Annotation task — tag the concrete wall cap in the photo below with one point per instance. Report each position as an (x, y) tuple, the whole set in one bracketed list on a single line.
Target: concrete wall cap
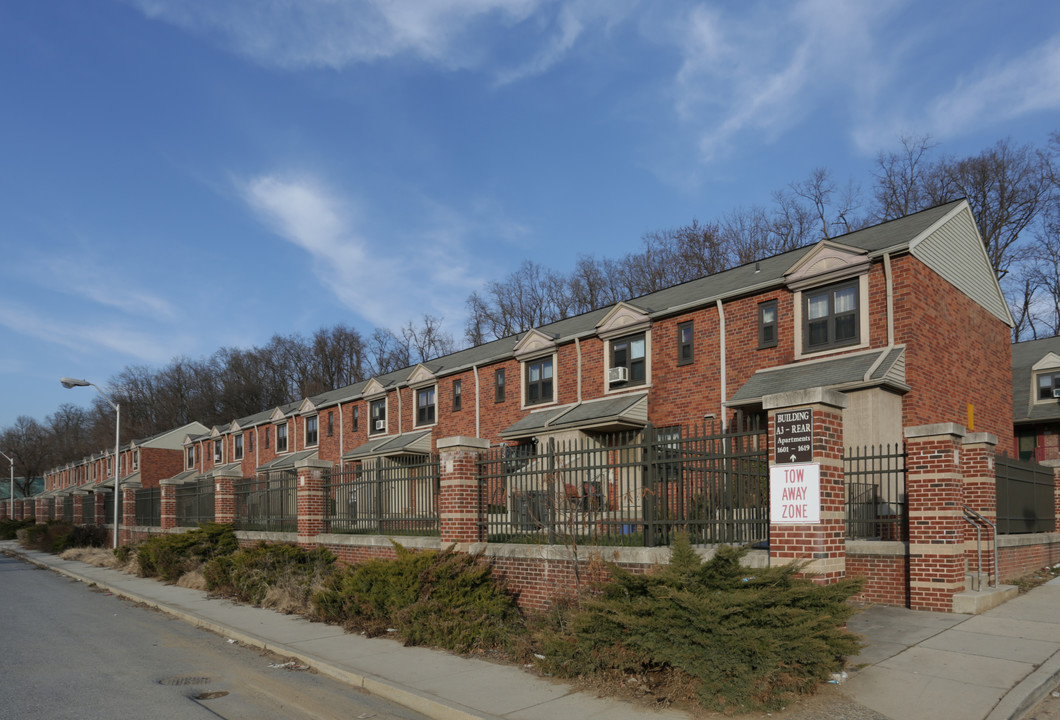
[(456, 441), (922, 431), (980, 438), (312, 463), (233, 473), (810, 396)]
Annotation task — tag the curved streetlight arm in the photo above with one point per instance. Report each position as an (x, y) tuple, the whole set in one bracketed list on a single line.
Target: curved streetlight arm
[(69, 382)]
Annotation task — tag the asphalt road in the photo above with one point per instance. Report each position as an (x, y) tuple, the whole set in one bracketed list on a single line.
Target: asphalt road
[(71, 651)]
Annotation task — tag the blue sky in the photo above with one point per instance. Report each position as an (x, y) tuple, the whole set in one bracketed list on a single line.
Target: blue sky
[(181, 175)]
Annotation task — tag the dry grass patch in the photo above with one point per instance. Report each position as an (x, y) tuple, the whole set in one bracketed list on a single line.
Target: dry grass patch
[(193, 580), (99, 557)]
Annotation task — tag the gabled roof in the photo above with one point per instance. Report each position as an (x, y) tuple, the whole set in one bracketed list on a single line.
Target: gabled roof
[(1028, 358), (621, 411), (415, 443), (845, 372), (287, 461)]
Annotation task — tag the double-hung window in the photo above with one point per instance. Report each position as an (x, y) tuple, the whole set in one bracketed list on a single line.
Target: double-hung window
[(355, 418), (218, 450), (685, 337), (539, 381), (377, 417), (630, 353), (312, 434), (457, 392), (498, 386), (767, 324), (831, 317), (425, 406), (239, 446), (1048, 385), (281, 438), (190, 458)]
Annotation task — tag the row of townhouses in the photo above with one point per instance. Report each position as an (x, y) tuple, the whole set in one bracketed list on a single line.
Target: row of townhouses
[(898, 332)]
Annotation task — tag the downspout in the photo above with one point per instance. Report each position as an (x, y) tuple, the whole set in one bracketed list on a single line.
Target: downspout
[(721, 341), (478, 431), (578, 350), (342, 426), (889, 283), (400, 411), (257, 445)]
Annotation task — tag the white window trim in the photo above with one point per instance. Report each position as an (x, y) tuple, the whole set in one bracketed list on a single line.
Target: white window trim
[(305, 431), (218, 451), (237, 447), (416, 406), (523, 405), (372, 432), (276, 438), (863, 320), (1034, 385), (608, 390)]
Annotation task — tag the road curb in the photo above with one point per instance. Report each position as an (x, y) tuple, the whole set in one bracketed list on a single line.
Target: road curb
[(386, 689), (1021, 699)]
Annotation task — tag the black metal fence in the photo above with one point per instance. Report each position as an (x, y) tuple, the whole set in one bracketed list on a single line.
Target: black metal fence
[(51, 509), (1025, 497), (88, 509), (108, 508), (195, 503), (630, 488), (149, 507), (384, 496), (68, 508), (267, 502), (875, 493)]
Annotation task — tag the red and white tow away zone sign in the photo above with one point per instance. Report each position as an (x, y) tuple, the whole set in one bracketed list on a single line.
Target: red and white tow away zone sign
[(795, 494)]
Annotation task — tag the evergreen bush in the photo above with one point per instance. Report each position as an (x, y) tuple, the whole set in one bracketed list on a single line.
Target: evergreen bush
[(170, 556), (249, 574), (746, 639)]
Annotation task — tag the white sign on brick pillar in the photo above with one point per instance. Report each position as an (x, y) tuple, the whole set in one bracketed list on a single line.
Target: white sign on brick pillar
[(795, 494)]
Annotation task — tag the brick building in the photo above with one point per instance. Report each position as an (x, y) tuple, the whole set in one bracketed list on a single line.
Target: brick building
[(1036, 398)]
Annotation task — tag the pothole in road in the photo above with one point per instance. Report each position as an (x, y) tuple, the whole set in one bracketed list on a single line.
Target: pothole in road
[(186, 680)]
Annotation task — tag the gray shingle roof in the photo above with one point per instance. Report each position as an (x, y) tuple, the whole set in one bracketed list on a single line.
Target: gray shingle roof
[(843, 372), (412, 442), (1024, 356), (623, 410), (286, 462)]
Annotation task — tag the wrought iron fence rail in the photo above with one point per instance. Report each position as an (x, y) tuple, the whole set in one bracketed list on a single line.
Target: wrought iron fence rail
[(633, 488), (194, 503), (384, 496), (1025, 496), (876, 504), (267, 502), (149, 507)]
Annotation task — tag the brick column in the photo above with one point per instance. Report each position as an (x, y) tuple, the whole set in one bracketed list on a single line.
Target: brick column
[(1055, 465), (459, 499), (40, 509), (935, 493), (128, 512), (224, 500), (980, 495), (168, 501), (823, 543), (78, 507), (5, 510), (310, 499), (101, 514)]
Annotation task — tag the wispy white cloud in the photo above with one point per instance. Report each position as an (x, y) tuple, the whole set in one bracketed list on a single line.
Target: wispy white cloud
[(453, 34), (766, 68), (90, 336), (388, 281)]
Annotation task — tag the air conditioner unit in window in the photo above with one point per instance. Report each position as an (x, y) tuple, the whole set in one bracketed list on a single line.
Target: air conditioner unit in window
[(1056, 392), (617, 375), (380, 424)]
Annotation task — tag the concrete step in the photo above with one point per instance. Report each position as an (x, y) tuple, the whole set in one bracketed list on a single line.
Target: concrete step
[(972, 602)]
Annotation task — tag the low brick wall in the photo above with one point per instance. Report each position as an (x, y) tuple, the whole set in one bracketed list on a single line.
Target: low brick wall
[(884, 566), (1021, 554)]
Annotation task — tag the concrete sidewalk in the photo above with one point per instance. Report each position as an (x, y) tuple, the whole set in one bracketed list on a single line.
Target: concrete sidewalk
[(994, 666)]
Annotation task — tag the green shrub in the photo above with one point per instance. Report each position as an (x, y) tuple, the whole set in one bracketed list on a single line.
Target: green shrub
[(51, 537), (88, 536), (445, 599), (250, 573), (9, 528), (743, 638), (170, 556)]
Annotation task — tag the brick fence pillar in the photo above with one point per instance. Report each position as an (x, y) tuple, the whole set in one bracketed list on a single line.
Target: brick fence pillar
[(101, 512), (128, 512), (224, 499), (168, 502), (310, 499), (79, 504), (40, 509), (980, 495), (822, 543), (459, 499), (935, 494), (5, 510), (1055, 465)]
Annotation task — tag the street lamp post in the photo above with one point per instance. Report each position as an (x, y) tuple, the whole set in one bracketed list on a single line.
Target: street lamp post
[(11, 497), (68, 383)]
